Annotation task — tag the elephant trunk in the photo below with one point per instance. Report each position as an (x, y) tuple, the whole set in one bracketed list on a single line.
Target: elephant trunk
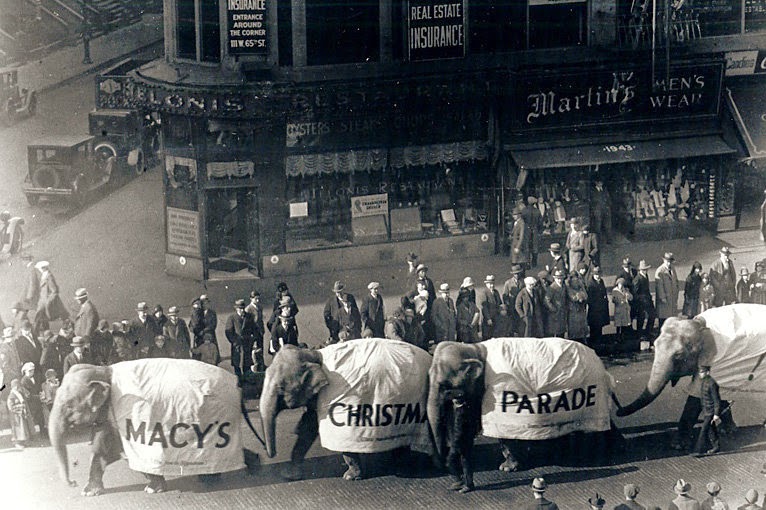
[(57, 425), (433, 408), (269, 410), (657, 382)]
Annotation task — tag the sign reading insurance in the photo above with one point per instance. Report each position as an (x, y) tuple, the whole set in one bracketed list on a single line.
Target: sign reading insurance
[(246, 29), (435, 29)]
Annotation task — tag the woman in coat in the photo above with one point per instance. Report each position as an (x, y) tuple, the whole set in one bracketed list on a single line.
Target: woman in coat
[(707, 294), (577, 308), (692, 291), (556, 302), (598, 304), (22, 426), (467, 316), (621, 297)]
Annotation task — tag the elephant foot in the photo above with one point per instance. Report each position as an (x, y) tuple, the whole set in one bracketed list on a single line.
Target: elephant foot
[(353, 474), (155, 487), (509, 465), (92, 489), (292, 472)]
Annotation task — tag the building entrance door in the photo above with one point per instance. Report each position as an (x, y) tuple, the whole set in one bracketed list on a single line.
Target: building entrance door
[(232, 226)]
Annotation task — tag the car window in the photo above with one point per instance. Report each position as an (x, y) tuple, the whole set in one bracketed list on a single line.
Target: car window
[(47, 155)]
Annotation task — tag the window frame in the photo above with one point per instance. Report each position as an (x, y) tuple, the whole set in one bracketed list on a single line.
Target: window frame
[(198, 36)]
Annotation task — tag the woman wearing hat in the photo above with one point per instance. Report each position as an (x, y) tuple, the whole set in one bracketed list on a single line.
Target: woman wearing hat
[(692, 291), (758, 283), (577, 309), (621, 298), (468, 316)]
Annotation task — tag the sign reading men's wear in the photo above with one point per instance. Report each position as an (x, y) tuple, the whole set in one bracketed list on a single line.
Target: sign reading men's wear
[(246, 29), (435, 29)]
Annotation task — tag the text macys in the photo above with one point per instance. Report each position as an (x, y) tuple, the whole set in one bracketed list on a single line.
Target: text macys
[(168, 436)]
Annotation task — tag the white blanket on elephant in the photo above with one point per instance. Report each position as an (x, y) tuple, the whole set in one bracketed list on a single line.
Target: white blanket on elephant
[(177, 417), (739, 335), (542, 388), (376, 397)]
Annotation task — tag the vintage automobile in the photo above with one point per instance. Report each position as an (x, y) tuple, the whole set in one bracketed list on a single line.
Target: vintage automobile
[(125, 134), (15, 102), (67, 168), (11, 233)]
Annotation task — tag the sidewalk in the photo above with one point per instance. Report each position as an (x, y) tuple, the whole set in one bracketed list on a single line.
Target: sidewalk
[(66, 63)]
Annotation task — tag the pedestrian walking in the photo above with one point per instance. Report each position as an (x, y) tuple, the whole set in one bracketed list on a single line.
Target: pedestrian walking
[(743, 286), (177, 333), (596, 502), (724, 278), (240, 332), (78, 354), (556, 303), (577, 310), (87, 318), (255, 308), (707, 293), (622, 298), (49, 307), (488, 301), (630, 491), (540, 503), (511, 289), (444, 316), (467, 313), (751, 498), (284, 330), (529, 309), (554, 260), (683, 500), (341, 315), (692, 287), (598, 305), (373, 312), (713, 502), (711, 410), (574, 244), (28, 348), (519, 239), (666, 289)]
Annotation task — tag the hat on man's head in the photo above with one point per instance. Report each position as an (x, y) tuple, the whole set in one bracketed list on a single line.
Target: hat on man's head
[(543, 275), (626, 261), (582, 265), (467, 283), (751, 496), (173, 310), (555, 247), (490, 278), (643, 266), (48, 334), (373, 285), (239, 303), (254, 293), (141, 307), (8, 333), (338, 286), (516, 269), (620, 280), (286, 302), (630, 490), (531, 200), (595, 270), (539, 485), (409, 312), (444, 287), (195, 301), (559, 272), (204, 297), (596, 501), (713, 488), (27, 366), (81, 293), (43, 264), (412, 256), (725, 250), (744, 271), (421, 267), (78, 341), (281, 286), (50, 372), (682, 487), (158, 308), (669, 256)]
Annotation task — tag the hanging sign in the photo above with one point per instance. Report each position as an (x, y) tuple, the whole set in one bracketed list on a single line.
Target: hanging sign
[(246, 29), (183, 232), (435, 30)]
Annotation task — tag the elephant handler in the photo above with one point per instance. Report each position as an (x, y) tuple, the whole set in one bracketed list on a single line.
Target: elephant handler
[(240, 332), (711, 410)]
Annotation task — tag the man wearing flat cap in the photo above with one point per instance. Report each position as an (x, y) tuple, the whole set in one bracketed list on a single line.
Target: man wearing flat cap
[(713, 502), (488, 300), (683, 500), (710, 400), (341, 314), (631, 491), (87, 317), (143, 329), (444, 316), (666, 289), (724, 278), (240, 332), (373, 312), (540, 503), (530, 309)]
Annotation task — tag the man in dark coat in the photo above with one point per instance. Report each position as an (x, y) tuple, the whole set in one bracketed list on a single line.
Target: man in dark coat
[(284, 330), (511, 289), (519, 240), (488, 300), (79, 354), (413, 332), (177, 333), (373, 312), (554, 260), (444, 316), (209, 318), (711, 410), (724, 279), (539, 503), (600, 206), (535, 228), (642, 300), (341, 315), (142, 330), (422, 276), (530, 309), (282, 292), (395, 328), (628, 272), (598, 305), (255, 308), (27, 346), (556, 304), (86, 321), (590, 247), (240, 332), (49, 307), (102, 343)]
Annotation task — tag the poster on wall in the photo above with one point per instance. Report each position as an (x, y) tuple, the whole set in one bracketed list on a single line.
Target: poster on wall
[(435, 30), (246, 28), (369, 205), (183, 232)]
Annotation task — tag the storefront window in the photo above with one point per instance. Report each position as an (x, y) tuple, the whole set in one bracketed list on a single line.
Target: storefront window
[(495, 26), (554, 26), (198, 30), (342, 32), (406, 203), (226, 136), (187, 32)]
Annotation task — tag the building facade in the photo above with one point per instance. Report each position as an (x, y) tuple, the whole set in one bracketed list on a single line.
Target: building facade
[(306, 135)]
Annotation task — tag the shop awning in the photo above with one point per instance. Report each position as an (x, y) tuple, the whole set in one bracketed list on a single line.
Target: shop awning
[(747, 106), (625, 152)]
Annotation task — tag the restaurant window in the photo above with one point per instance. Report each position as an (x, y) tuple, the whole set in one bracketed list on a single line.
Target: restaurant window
[(554, 26), (496, 26), (342, 32), (224, 136), (198, 31), (285, 33)]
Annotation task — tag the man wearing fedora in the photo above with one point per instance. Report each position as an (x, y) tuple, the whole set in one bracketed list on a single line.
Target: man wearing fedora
[(683, 500), (284, 330), (555, 301), (421, 270), (554, 260), (751, 498), (78, 355), (240, 332), (724, 278), (87, 317), (27, 346), (511, 289), (143, 329), (596, 502), (666, 289), (540, 503), (488, 302), (341, 315), (373, 312), (710, 401), (177, 333), (713, 502), (530, 309), (519, 239), (444, 316), (630, 491), (643, 303)]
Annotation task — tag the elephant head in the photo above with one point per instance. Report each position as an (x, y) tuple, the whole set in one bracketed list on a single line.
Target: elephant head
[(293, 380), (457, 372), (677, 353), (82, 399)]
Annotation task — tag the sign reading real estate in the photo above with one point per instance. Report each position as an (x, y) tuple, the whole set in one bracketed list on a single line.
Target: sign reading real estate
[(246, 29), (435, 29), (183, 232)]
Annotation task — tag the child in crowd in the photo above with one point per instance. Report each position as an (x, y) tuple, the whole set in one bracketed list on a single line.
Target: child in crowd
[(160, 349), (742, 287), (707, 293), (503, 323), (48, 392), (22, 425), (208, 351), (621, 298)]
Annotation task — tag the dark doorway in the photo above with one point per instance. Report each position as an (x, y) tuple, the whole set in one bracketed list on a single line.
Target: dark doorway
[(232, 226)]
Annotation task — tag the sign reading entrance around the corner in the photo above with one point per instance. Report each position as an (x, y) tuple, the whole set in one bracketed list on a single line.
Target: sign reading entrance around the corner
[(183, 232), (435, 29), (246, 29), (369, 205)]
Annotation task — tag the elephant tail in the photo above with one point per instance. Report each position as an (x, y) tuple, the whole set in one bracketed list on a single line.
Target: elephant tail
[(250, 423)]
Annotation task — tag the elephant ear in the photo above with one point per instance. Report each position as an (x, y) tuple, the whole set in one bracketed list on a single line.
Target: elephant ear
[(99, 392), (313, 378)]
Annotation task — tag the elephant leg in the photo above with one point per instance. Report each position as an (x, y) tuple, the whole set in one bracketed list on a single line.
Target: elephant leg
[(692, 410), (106, 450), (510, 463), (155, 484), (455, 468), (354, 471), (307, 431), (466, 457)]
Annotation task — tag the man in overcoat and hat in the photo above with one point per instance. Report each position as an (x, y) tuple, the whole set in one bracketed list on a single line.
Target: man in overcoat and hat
[(78, 355), (177, 332), (519, 240), (630, 491), (488, 300), (49, 307), (642, 301), (555, 301), (143, 329), (530, 309), (511, 289), (540, 503), (240, 332), (666, 289), (373, 312), (683, 500), (444, 316), (724, 278), (341, 315), (27, 346), (284, 330), (554, 260), (86, 321)]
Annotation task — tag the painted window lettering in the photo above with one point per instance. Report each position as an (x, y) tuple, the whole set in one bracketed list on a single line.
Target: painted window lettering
[(568, 400)]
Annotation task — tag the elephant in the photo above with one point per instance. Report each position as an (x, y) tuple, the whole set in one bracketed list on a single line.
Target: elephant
[(507, 388), (145, 396), (361, 396), (731, 339)]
